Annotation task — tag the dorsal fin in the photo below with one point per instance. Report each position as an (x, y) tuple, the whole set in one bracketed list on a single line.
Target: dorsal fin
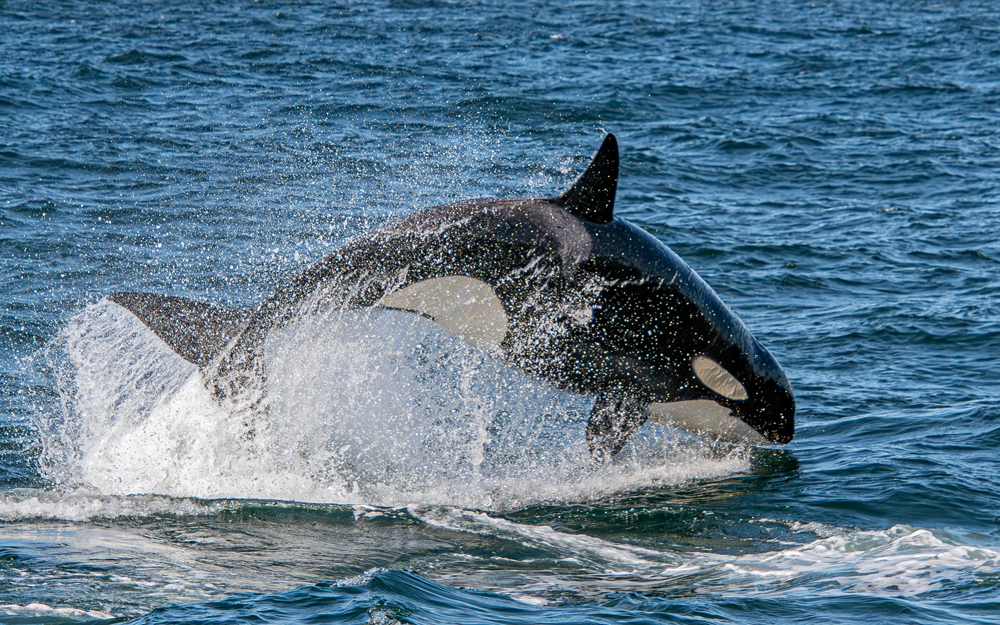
[(196, 331), (592, 196)]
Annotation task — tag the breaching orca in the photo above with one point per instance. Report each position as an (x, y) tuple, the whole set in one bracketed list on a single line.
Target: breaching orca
[(559, 288)]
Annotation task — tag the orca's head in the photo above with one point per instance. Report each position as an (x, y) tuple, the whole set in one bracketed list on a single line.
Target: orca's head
[(661, 334)]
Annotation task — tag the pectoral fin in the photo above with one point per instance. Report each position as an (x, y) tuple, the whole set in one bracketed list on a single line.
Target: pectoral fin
[(612, 420)]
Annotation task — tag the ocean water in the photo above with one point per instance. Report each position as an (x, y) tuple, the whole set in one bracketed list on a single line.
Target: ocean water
[(830, 168)]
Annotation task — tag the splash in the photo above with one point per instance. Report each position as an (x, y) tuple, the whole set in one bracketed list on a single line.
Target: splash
[(371, 407)]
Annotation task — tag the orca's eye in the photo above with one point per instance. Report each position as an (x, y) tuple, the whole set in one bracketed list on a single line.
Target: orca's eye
[(716, 378)]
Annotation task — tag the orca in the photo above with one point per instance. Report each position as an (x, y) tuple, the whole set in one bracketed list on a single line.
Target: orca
[(559, 288)]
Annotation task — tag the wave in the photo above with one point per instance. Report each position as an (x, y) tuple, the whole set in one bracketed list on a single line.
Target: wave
[(849, 573)]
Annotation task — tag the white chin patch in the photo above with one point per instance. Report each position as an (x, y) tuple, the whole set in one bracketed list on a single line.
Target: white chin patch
[(464, 306), (704, 416), (716, 378)]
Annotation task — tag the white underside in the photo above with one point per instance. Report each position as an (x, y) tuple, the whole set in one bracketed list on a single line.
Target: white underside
[(705, 417), (464, 306)]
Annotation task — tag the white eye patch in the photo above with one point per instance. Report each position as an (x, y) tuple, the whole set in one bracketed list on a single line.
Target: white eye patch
[(718, 379)]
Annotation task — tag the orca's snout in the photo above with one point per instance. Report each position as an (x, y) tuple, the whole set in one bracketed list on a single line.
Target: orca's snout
[(769, 408)]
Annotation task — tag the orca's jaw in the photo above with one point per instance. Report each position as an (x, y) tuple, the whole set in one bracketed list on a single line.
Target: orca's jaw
[(721, 422)]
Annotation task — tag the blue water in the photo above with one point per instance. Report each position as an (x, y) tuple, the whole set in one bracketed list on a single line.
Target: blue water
[(829, 168)]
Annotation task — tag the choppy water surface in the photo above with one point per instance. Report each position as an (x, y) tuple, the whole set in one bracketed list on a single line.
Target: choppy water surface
[(830, 169)]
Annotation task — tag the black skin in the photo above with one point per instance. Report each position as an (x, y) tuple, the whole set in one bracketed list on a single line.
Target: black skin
[(595, 305)]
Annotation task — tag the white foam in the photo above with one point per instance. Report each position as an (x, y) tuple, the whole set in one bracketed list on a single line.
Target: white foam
[(608, 556), (81, 505), (47, 614), (900, 561)]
